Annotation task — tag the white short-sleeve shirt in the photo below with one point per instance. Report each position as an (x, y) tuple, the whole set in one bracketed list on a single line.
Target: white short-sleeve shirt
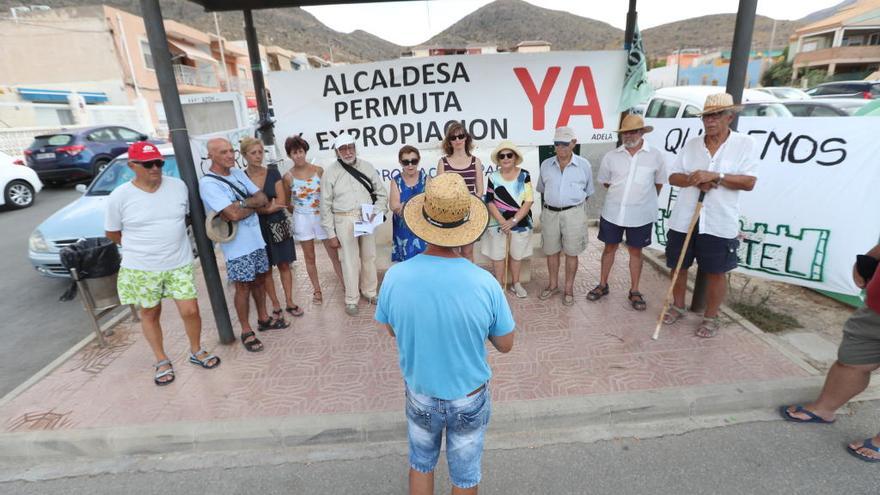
[(632, 194), (738, 155), (153, 225)]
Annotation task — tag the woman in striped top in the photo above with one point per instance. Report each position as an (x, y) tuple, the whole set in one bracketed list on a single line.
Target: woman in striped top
[(457, 145)]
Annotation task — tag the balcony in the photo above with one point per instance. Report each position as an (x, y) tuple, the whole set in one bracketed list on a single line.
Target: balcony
[(201, 78), (238, 84), (838, 55)]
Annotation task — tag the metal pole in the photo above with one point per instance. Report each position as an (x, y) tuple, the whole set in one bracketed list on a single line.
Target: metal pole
[(631, 15), (736, 78), (220, 42), (180, 139), (250, 35)]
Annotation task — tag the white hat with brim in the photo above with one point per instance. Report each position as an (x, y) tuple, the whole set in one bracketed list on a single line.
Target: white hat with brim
[(446, 214), (506, 145), (719, 102), (219, 229), (565, 134), (342, 140)]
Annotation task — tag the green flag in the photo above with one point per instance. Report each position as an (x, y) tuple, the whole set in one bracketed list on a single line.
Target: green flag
[(635, 82)]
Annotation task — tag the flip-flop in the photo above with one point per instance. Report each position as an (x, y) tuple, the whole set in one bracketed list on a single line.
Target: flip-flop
[(294, 310), (568, 299), (814, 418), (548, 293), (866, 444)]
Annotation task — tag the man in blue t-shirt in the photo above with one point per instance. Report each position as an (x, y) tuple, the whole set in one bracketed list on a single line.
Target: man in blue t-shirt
[(441, 329), (227, 190)]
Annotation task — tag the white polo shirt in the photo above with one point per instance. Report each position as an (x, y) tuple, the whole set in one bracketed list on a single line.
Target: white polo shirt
[(738, 155), (632, 195)]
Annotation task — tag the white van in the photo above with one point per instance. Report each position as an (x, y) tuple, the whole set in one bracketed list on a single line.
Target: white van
[(687, 101)]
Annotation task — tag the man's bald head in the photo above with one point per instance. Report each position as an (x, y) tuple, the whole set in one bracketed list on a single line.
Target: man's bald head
[(221, 153)]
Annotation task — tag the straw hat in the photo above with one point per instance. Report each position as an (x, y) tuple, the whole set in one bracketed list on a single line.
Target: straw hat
[(446, 214), (506, 145), (218, 229), (634, 122), (719, 102)]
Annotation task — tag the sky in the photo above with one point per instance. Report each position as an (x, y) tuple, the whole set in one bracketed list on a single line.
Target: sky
[(412, 22)]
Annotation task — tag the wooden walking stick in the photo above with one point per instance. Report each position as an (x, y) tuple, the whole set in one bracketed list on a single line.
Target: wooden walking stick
[(684, 248), (506, 260)]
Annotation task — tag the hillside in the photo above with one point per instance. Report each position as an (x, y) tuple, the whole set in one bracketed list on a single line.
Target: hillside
[(713, 32)]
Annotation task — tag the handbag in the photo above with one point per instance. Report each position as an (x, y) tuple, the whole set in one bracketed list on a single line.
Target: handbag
[(280, 229)]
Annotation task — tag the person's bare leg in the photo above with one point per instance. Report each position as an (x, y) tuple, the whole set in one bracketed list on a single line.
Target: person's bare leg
[(553, 270), (258, 286), (242, 305), (515, 266), (465, 491), (192, 322), (153, 334), (285, 273), (421, 483), (843, 382), (716, 289), (308, 250), (468, 252), (635, 267), (608, 254), (498, 268), (680, 288), (571, 267), (269, 291), (333, 254)]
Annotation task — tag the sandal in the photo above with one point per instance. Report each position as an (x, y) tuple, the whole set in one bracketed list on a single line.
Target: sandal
[(251, 342), (568, 299), (637, 301), (598, 292), (673, 314), (317, 298), (205, 362), (708, 328), (548, 293), (867, 443), (294, 310), (272, 324), (158, 379)]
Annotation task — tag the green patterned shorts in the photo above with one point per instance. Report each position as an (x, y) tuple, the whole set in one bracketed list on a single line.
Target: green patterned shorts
[(146, 289)]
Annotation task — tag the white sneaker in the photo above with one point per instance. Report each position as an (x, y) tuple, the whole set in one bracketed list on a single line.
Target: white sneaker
[(351, 309), (518, 290)]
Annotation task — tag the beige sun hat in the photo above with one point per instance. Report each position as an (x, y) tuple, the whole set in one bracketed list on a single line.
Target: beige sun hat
[(219, 229), (634, 122), (719, 102), (446, 214), (506, 145)]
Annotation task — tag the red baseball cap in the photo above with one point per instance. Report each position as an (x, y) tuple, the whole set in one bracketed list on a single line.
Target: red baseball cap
[(143, 151)]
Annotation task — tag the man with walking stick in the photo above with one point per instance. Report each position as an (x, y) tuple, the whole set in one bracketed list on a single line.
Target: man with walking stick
[(720, 163)]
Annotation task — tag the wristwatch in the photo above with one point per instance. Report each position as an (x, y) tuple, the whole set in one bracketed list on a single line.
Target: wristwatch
[(241, 204), (720, 178)]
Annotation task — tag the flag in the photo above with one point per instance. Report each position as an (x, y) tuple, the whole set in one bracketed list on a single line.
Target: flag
[(635, 81)]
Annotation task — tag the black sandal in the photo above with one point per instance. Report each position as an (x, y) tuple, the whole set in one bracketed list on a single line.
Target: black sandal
[(294, 310), (637, 301), (252, 345), (598, 292), (272, 324)]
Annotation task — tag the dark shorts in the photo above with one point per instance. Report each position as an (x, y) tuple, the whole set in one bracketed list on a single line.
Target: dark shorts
[(861, 338), (637, 237), (713, 254)]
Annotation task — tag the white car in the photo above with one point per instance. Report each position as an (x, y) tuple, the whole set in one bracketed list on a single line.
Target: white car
[(18, 183), (687, 101)]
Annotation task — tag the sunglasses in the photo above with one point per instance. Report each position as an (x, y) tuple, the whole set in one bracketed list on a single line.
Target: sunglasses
[(505, 156), (561, 143), (152, 163), (406, 163), (458, 137)]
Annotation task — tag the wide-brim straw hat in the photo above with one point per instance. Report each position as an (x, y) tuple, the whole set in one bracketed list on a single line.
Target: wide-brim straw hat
[(634, 122), (219, 229), (719, 102), (506, 145), (446, 214)]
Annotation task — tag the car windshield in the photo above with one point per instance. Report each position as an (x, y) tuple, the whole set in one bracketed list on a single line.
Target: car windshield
[(118, 173), (52, 140), (789, 93)]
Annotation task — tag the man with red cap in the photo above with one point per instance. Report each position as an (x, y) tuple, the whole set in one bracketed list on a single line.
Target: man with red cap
[(146, 217)]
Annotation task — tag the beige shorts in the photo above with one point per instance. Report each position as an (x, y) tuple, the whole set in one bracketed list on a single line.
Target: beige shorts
[(494, 243), (564, 231)]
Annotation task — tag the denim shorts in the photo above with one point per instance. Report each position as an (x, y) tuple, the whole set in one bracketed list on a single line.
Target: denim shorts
[(713, 254), (465, 421), (246, 268)]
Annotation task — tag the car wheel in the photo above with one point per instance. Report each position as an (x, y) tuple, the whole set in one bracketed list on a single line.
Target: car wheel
[(99, 167), (19, 194)]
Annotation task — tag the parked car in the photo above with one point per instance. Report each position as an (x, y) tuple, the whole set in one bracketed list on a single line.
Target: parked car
[(84, 217), (687, 101), (846, 89), (785, 93), (18, 183), (827, 107), (80, 153)]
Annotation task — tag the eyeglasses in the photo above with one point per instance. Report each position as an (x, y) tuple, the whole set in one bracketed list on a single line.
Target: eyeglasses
[(406, 163), (712, 116), (505, 156), (458, 137), (561, 143), (152, 163)]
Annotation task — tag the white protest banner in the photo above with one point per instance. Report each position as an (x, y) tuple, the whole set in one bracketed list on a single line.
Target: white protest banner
[(521, 97), (816, 204), (199, 146)]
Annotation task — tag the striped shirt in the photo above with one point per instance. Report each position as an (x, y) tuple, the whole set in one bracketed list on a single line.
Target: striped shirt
[(469, 174)]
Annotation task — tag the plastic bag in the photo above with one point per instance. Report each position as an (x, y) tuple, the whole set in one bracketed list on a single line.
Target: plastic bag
[(94, 257)]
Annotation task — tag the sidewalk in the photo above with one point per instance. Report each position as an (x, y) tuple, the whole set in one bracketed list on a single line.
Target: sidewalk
[(328, 365)]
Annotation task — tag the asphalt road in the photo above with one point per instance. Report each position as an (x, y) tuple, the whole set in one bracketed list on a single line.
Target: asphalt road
[(762, 458), (35, 327)]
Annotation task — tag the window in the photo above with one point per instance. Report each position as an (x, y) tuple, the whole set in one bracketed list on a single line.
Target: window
[(821, 111), (147, 54), (690, 111), (127, 134), (663, 109), (799, 110), (102, 136), (873, 39)]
